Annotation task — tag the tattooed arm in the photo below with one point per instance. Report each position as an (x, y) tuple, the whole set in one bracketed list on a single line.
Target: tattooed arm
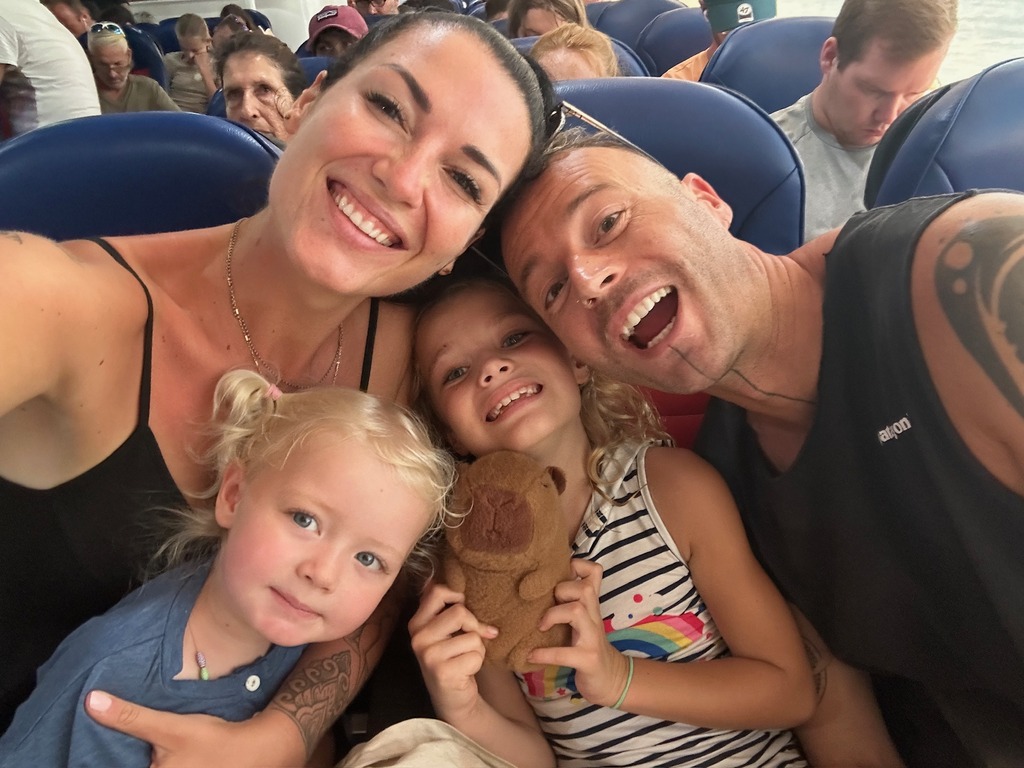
[(968, 297), (287, 732), (847, 727)]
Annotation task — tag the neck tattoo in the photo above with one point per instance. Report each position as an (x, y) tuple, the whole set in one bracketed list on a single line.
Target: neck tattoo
[(262, 366)]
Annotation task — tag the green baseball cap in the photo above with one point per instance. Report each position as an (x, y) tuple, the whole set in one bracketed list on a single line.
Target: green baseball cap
[(725, 15)]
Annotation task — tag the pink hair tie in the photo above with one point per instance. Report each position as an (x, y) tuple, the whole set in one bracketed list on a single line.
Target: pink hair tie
[(274, 392)]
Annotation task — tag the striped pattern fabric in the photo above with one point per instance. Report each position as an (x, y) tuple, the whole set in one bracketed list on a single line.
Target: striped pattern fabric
[(651, 609)]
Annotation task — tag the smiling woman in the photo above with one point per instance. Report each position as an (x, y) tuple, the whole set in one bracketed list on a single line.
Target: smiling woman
[(395, 163)]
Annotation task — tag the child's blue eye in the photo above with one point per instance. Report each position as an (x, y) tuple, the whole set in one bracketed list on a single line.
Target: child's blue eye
[(369, 560), (305, 521)]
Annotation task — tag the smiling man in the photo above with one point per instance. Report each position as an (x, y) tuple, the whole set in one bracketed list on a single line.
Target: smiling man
[(871, 412), (881, 57)]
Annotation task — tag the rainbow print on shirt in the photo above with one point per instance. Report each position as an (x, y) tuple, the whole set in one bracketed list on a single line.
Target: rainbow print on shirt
[(653, 637)]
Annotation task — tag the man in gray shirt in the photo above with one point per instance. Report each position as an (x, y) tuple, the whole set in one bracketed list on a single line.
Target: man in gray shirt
[(881, 57)]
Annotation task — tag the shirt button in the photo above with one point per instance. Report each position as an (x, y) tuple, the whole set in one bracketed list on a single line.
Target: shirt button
[(252, 683)]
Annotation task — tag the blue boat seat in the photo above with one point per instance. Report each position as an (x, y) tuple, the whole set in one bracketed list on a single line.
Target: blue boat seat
[(673, 37), (626, 19)]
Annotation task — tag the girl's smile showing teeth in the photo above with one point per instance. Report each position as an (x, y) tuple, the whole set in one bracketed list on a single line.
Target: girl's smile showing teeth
[(651, 319), (366, 223), (510, 398)]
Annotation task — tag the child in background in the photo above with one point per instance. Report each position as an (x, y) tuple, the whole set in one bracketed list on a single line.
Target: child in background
[(572, 52), (663, 570), (320, 498), (190, 80)]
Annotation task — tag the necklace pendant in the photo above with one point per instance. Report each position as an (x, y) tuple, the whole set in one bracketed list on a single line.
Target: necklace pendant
[(204, 674)]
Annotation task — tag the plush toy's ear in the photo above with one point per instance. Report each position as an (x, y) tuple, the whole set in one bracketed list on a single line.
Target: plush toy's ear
[(558, 477)]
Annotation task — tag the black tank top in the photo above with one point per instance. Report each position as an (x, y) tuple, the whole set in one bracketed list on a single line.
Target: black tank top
[(901, 548), (71, 552)]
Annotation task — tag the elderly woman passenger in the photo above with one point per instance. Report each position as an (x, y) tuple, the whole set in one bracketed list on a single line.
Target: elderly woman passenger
[(261, 78)]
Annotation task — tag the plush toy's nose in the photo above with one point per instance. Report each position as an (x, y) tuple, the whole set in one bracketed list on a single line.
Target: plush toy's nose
[(499, 522)]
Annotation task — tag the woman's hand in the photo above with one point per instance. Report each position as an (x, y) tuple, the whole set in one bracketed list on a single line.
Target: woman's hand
[(601, 671), (448, 642), (270, 738)]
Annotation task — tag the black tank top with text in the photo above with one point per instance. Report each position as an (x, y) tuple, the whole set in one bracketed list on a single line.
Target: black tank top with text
[(901, 548)]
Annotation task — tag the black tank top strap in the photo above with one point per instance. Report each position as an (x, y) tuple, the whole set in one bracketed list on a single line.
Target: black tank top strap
[(371, 335), (147, 347)]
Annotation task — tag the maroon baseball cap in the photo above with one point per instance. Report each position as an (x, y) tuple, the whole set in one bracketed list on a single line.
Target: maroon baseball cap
[(339, 17)]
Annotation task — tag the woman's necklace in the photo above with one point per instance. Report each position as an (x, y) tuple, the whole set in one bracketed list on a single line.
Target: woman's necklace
[(257, 359)]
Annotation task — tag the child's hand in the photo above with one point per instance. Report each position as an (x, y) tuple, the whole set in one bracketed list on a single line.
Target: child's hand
[(448, 642), (601, 670)]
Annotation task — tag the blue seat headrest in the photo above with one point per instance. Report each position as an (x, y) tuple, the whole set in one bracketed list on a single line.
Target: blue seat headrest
[(772, 62), (135, 173), (723, 137)]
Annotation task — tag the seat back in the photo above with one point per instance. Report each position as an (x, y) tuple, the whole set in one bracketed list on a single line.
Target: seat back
[(970, 136), (146, 54), (673, 37), (727, 140), (166, 35), (626, 19), (772, 62), (715, 133), (630, 64), (260, 18), (596, 10), (135, 173)]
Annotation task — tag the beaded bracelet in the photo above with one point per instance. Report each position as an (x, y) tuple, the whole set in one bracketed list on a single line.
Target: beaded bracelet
[(629, 679)]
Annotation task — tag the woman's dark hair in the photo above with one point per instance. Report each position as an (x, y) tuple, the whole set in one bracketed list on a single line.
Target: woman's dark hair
[(233, 9), (531, 80), (266, 45), (119, 14)]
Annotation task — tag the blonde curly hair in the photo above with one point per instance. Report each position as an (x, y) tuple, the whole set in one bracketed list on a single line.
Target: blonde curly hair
[(256, 426)]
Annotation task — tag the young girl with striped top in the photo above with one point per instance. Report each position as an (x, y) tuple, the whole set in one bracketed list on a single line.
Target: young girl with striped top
[(663, 571)]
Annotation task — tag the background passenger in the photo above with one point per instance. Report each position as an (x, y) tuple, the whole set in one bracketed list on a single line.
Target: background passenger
[(496, 9), (377, 7), (190, 74), (119, 13), (333, 29), (282, 553), (881, 57), (359, 207), (44, 71), (261, 78), (226, 27), (233, 9), (73, 14), (118, 89), (572, 52), (723, 16), (527, 18)]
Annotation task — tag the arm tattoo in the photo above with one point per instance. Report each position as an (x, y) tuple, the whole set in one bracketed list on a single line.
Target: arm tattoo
[(819, 666), (979, 277), (317, 692)]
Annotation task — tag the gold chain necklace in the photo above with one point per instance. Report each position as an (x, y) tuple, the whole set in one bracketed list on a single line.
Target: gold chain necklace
[(257, 358)]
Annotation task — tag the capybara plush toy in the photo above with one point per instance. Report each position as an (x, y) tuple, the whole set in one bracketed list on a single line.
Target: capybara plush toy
[(509, 552)]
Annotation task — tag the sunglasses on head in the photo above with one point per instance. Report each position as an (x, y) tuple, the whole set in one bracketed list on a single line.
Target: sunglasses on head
[(106, 26), (557, 121)]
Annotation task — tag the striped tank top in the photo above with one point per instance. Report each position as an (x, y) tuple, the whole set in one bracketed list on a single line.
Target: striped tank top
[(651, 610)]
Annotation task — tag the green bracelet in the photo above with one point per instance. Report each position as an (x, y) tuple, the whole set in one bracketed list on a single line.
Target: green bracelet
[(629, 679)]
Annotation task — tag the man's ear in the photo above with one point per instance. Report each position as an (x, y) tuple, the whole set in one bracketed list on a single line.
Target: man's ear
[(701, 191), (828, 59), (293, 119), (229, 495)]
